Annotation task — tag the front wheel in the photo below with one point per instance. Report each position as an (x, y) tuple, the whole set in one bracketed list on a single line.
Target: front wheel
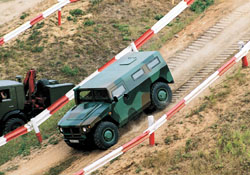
[(106, 135), (161, 95), (13, 124)]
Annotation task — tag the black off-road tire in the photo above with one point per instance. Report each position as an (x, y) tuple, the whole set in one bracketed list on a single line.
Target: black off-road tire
[(106, 135), (161, 95), (12, 124)]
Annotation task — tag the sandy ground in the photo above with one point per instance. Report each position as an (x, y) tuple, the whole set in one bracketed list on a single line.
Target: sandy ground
[(14, 8), (53, 155)]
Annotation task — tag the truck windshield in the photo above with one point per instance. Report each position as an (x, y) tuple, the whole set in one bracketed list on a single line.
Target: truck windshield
[(94, 95)]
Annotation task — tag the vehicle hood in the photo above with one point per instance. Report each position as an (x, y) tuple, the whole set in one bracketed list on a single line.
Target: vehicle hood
[(83, 114)]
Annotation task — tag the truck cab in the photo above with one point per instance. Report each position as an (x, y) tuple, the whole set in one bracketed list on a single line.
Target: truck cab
[(115, 96), (19, 102), (12, 100)]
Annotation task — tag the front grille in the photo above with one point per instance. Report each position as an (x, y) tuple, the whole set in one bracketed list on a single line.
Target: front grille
[(71, 133)]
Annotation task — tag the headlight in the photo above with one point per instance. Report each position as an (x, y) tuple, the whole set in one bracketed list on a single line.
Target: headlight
[(84, 129), (60, 129)]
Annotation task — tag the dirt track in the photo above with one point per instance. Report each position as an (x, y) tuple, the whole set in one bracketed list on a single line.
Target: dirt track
[(14, 8), (53, 155)]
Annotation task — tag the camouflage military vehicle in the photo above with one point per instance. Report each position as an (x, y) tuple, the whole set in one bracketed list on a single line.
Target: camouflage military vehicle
[(111, 99), (19, 102)]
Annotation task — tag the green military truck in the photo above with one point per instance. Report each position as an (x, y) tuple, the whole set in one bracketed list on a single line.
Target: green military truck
[(19, 102), (137, 81)]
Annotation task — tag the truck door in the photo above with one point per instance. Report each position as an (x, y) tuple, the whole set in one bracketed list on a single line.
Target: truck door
[(8, 100), (120, 109), (123, 108)]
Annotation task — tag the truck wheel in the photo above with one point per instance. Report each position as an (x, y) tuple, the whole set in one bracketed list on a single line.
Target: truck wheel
[(13, 124), (161, 95), (106, 135)]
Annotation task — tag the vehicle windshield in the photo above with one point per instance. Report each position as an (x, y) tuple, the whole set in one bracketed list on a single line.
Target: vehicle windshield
[(94, 95)]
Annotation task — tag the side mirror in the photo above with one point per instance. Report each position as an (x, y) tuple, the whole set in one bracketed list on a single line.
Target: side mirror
[(19, 78), (115, 99)]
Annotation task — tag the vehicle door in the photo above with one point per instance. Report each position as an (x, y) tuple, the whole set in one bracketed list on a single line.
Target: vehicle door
[(8, 101), (121, 108)]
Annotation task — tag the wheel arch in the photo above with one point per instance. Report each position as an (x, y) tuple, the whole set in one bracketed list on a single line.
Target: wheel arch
[(107, 118), (14, 114)]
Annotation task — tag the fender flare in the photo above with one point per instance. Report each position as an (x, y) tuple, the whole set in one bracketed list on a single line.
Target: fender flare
[(11, 114)]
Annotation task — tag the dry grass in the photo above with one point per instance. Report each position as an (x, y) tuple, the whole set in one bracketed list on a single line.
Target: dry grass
[(221, 148), (87, 40)]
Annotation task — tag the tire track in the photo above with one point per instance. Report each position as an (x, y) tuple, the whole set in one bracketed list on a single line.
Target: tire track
[(197, 74)]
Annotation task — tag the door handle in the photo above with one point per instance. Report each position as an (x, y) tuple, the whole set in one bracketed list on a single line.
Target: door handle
[(11, 106)]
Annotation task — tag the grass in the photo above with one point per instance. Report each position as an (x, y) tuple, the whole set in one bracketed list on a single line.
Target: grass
[(95, 41), (88, 23), (200, 6), (23, 145), (69, 71), (76, 12), (94, 2), (223, 148), (24, 15)]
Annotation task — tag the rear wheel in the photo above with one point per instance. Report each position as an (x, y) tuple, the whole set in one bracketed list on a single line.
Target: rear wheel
[(161, 95), (13, 124), (106, 135)]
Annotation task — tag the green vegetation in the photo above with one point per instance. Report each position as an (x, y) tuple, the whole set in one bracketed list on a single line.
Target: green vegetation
[(158, 17), (214, 98), (80, 50), (88, 23), (23, 145), (37, 49), (168, 140), (201, 5), (69, 71), (93, 2), (222, 148), (124, 29), (69, 18), (76, 12), (24, 15)]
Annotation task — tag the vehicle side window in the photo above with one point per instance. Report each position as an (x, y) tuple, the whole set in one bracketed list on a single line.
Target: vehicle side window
[(153, 63), (86, 95), (118, 91), (5, 94), (138, 74)]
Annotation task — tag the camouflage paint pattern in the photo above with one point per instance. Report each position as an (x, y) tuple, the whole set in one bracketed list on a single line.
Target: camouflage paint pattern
[(146, 67)]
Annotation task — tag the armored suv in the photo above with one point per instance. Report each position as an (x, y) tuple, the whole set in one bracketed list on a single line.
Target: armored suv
[(137, 81)]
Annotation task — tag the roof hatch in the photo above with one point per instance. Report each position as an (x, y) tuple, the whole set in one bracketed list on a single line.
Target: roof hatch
[(128, 61)]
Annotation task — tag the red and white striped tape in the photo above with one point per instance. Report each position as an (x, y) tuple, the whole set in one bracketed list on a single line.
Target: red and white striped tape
[(139, 139), (32, 22), (134, 46)]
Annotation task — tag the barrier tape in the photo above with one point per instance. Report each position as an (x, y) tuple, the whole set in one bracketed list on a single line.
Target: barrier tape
[(44, 115), (32, 22), (139, 139)]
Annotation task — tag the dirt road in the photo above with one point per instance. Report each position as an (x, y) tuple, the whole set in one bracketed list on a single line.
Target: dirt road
[(11, 9), (234, 28)]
